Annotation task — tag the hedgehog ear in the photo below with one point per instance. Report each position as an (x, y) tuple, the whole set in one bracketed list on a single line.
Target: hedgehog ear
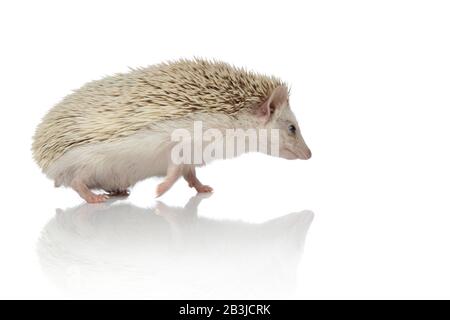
[(275, 101)]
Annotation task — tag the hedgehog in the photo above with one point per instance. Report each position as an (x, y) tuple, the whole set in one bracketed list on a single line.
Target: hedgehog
[(114, 132)]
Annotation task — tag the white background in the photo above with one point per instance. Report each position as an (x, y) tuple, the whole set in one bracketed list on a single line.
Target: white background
[(371, 90)]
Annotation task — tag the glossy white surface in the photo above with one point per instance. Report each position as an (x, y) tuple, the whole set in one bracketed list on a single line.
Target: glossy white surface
[(170, 252), (367, 217)]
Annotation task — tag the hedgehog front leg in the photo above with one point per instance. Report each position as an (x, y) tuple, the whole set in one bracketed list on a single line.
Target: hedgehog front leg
[(191, 178), (86, 193), (173, 173)]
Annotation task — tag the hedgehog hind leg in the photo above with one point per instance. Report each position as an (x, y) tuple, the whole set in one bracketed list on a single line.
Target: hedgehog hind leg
[(85, 193)]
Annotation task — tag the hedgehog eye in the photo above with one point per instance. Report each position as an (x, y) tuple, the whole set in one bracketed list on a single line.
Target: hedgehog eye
[(292, 129)]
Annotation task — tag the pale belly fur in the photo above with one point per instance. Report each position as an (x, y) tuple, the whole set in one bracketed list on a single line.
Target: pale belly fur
[(114, 165), (120, 164)]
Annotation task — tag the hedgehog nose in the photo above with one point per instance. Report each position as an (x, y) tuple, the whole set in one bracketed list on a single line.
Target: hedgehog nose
[(308, 154)]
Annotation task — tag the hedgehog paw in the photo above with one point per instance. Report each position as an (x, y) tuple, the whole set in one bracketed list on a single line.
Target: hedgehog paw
[(162, 188), (85, 193), (96, 198), (203, 188)]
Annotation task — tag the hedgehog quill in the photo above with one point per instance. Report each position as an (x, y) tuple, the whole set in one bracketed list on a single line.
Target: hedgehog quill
[(114, 132)]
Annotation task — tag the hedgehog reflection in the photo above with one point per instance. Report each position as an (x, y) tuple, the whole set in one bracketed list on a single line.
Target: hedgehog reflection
[(169, 252)]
